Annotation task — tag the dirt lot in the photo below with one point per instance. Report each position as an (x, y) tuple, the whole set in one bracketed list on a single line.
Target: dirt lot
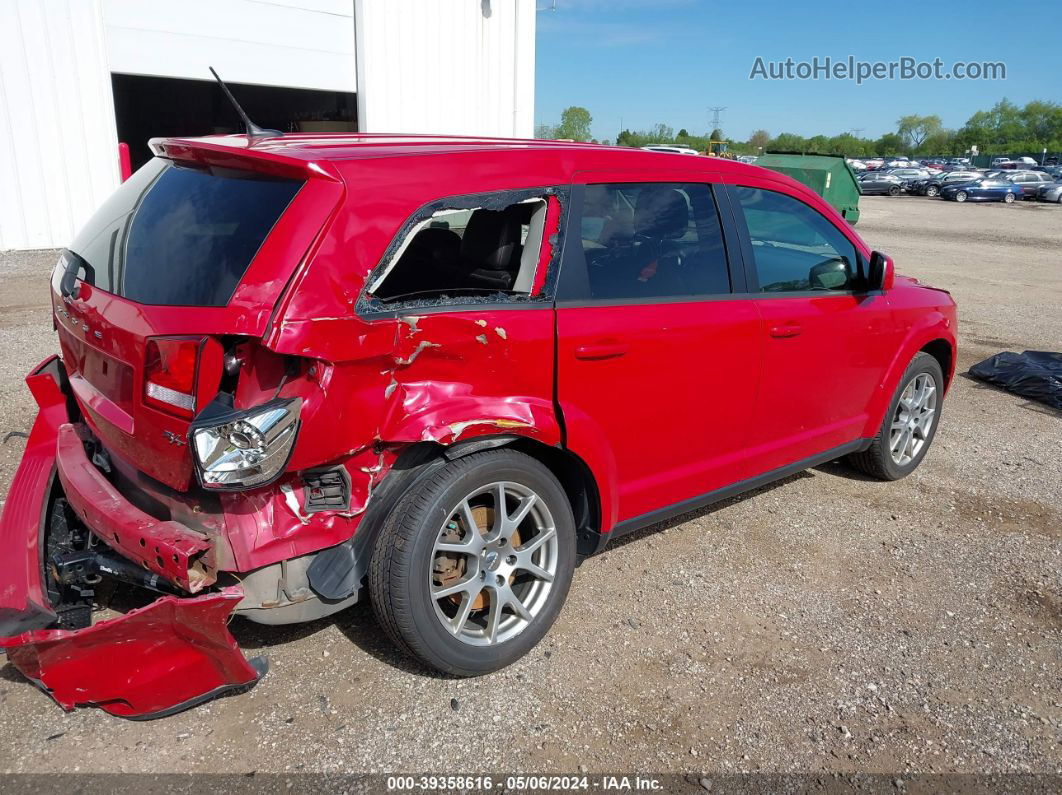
[(823, 623)]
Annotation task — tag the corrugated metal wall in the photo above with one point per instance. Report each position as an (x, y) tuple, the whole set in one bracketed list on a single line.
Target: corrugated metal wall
[(58, 157), (459, 66), (292, 43), (445, 66)]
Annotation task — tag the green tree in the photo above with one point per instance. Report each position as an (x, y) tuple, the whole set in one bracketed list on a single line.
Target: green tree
[(758, 140), (915, 129), (787, 142), (889, 144), (575, 124), (545, 131), (682, 133), (848, 145)]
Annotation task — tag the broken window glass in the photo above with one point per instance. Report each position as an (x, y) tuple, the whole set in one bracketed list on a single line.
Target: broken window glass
[(466, 251)]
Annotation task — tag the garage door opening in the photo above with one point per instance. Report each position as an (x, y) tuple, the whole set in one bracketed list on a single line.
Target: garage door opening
[(150, 107)]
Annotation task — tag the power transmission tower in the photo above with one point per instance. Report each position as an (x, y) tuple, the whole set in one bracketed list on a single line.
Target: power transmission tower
[(715, 116), (857, 131)]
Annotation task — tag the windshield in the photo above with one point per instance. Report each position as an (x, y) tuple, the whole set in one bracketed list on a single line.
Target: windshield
[(175, 235)]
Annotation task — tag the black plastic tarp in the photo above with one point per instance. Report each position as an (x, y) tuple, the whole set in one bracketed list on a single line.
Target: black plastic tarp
[(1032, 374)]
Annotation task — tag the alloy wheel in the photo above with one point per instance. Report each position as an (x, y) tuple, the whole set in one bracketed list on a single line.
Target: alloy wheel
[(914, 417), (960, 196), (1008, 198), (493, 563)]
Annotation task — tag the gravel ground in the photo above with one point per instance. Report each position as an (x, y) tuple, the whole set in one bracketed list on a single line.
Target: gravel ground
[(826, 622)]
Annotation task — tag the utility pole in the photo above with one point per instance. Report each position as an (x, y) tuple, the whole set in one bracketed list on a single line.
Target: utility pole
[(857, 131)]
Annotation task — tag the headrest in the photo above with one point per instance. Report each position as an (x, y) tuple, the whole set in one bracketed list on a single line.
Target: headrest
[(492, 239), (439, 243), (661, 213)]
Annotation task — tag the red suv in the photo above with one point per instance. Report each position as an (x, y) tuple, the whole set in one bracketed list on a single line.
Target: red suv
[(439, 370)]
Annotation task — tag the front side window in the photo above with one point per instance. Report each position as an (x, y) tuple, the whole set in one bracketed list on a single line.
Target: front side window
[(794, 247), (652, 239)]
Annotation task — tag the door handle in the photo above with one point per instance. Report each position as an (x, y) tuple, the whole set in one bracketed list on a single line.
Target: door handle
[(601, 350), (786, 330)]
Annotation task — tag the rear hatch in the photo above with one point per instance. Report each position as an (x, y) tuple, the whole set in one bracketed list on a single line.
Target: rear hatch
[(190, 251)]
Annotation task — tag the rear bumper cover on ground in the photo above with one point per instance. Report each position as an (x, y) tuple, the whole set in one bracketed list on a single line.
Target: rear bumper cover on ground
[(168, 656)]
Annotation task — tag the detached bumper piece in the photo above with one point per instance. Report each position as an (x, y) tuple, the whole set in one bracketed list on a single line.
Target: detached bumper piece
[(152, 662)]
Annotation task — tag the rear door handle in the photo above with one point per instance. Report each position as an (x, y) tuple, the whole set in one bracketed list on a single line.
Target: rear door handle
[(786, 330), (601, 350)]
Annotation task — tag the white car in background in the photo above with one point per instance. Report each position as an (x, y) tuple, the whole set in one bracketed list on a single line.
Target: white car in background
[(671, 149), (857, 165)]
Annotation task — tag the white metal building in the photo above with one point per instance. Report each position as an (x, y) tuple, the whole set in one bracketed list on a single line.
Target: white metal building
[(79, 77)]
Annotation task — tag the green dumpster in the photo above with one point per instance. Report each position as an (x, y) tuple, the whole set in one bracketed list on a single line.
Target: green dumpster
[(828, 175)]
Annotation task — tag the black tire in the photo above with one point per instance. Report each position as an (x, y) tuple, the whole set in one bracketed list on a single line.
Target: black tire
[(398, 583), (932, 190), (894, 190), (960, 196), (877, 460), (1008, 198)]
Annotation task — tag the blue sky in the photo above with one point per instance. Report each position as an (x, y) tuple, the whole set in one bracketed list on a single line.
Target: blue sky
[(649, 61)]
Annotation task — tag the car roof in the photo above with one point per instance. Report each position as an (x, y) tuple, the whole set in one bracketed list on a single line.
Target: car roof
[(307, 152)]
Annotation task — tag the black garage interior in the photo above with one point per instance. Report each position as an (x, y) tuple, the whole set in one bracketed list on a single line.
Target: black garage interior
[(150, 107)]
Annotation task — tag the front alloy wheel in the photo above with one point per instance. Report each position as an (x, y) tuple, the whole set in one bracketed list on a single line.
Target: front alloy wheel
[(932, 190), (474, 562), (960, 196), (1008, 198), (912, 422)]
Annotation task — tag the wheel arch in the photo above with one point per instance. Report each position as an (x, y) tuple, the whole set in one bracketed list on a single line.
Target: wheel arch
[(574, 475), (943, 351)]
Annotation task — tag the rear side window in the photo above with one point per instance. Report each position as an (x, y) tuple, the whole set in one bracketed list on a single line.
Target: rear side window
[(180, 236), (486, 248), (794, 248), (652, 240)]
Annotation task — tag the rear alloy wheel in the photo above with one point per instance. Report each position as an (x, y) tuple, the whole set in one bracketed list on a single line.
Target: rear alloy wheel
[(910, 424), (894, 190), (932, 190), (960, 196), (473, 565), (1008, 198)]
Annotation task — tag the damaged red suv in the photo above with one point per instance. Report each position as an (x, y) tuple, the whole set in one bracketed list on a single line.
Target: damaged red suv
[(434, 371)]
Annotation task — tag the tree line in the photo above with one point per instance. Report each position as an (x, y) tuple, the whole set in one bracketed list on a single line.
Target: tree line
[(1006, 128)]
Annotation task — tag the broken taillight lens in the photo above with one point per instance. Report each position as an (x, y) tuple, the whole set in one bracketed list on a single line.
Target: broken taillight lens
[(169, 374)]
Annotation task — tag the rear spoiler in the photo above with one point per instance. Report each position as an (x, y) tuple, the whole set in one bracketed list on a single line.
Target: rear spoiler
[(236, 151)]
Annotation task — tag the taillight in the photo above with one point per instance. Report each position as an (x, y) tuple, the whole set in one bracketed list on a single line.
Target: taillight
[(169, 374)]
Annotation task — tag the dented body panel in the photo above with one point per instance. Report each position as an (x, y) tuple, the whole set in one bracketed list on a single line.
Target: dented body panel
[(649, 404)]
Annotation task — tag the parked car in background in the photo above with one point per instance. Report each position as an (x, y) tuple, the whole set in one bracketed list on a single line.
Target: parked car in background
[(1054, 171), (999, 162), (957, 161), (932, 185), (982, 190), (747, 158), (910, 174), (430, 420), (874, 163), (670, 149), (878, 183), (1031, 181), (857, 165), (1051, 192)]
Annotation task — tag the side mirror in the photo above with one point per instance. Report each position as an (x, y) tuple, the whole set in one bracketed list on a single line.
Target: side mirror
[(880, 273), (831, 274)]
